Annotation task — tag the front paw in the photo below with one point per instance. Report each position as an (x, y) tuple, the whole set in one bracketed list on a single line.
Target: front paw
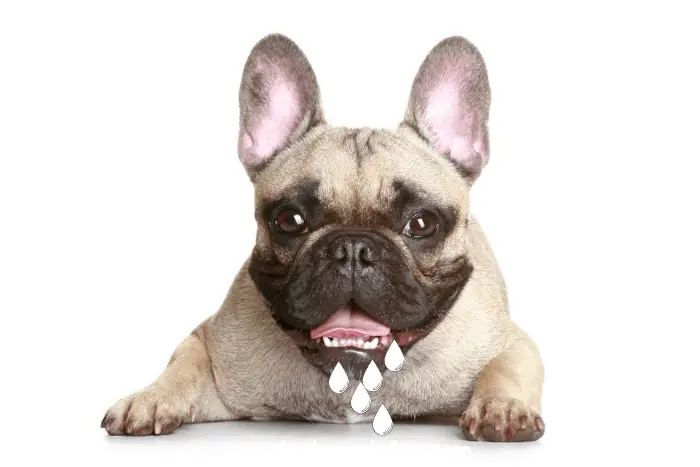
[(496, 419), (148, 412)]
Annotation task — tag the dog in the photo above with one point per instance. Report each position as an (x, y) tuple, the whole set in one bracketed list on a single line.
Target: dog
[(364, 238)]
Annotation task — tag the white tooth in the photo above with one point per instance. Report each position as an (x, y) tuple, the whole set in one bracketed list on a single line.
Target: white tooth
[(352, 343), (367, 345), (375, 341), (342, 342), (327, 341), (335, 343), (360, 343)]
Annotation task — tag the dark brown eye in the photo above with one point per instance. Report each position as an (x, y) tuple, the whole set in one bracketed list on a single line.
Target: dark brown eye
[(291, 222), (422, 225)]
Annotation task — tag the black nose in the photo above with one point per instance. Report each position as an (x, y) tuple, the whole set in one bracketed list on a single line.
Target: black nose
[(354, 251)]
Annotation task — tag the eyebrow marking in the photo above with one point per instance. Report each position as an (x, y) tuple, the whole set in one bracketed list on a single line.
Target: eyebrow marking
[(408, 194), (405, 193), (304, 194)]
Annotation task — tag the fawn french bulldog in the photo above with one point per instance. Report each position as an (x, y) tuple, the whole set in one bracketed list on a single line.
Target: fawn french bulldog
[(364, 238)]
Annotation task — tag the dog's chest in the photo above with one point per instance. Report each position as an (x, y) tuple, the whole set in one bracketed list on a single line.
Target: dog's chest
[(346, 416), (339, 408)]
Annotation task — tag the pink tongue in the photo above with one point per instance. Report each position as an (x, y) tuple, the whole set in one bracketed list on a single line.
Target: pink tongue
[(347, 324)]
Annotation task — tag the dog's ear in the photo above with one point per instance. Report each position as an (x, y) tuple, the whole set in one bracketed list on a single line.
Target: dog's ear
[(279, 101), (449, 104)]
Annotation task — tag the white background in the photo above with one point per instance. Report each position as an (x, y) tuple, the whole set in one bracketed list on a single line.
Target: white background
[(125, 212)]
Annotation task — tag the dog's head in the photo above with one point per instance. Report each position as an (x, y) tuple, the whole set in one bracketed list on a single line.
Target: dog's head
[(361, 232)]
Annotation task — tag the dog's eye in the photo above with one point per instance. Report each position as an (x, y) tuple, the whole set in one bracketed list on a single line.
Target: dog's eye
[(422, 225), (291, 222)]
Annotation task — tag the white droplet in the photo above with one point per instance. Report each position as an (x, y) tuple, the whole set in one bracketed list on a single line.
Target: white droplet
[(382, 423), (394, 357), (360, 401), (372, 378), (338, 380)]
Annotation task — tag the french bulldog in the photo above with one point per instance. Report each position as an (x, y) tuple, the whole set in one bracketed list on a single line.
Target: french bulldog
[(364, 238)]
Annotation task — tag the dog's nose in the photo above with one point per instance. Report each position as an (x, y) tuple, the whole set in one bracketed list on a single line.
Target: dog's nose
[(355, 251)]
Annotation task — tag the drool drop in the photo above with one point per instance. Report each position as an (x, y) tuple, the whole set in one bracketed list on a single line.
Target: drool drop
[(360, 401), (394, 357), (372, 379), (382, 423), (338, 380)]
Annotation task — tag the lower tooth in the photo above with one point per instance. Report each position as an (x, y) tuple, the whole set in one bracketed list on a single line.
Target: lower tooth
[(359, 343)]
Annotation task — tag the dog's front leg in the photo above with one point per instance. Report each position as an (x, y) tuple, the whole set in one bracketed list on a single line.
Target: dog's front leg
[(505, 405), (184, 393)]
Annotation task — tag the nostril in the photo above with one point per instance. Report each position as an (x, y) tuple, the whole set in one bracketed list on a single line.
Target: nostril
[(366, 255), (338, 252)]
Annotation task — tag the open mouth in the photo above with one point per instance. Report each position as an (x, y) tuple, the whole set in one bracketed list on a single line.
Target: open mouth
[(354, 338), (352, 328)]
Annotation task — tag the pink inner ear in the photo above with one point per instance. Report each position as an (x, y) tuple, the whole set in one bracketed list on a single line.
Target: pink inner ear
[(442, 115), (454, 127), (269, 131)]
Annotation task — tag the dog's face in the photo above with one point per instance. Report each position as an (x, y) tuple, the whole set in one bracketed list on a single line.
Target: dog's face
[(361, 233)]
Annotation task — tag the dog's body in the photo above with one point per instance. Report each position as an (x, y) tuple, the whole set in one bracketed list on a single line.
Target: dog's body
[(342, 251)]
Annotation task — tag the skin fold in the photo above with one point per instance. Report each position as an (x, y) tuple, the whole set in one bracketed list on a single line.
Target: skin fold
[(469, 362)]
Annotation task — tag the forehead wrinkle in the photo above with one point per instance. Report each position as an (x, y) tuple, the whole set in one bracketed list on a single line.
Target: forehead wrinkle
[(337, 163)]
